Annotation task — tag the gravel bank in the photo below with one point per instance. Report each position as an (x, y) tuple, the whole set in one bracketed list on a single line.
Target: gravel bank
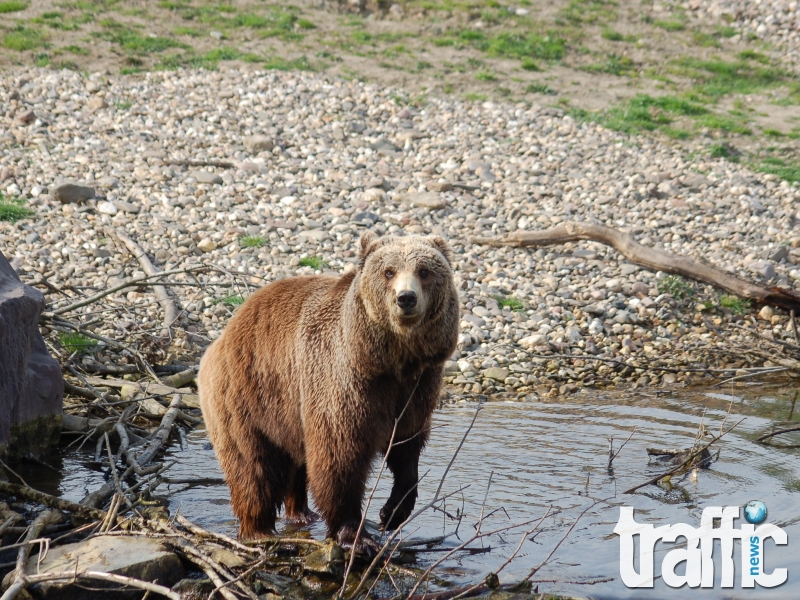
[(316, 161), (775, 21)]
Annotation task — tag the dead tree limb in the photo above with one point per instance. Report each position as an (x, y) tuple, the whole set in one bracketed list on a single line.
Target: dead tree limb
[(167, 302), (51, 501), (651, 258)]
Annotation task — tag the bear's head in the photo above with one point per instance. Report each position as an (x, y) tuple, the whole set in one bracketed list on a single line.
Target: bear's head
[(404, 280)]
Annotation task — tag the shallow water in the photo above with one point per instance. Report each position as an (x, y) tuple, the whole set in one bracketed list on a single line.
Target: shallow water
[(555, 454)]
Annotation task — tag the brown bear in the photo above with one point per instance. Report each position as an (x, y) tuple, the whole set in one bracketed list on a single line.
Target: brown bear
[(305, 384)]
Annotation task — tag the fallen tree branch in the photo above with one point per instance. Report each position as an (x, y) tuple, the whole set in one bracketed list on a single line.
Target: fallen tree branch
[(51, 501), (651, 258), (71, 576), (167, 302), (766, 436)]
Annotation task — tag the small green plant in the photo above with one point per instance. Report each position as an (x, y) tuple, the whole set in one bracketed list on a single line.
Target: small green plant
[(233, 300), (124, 104), (723, 150), (283, 64), (486, 76), (473, 97), (529, 64), (612, 36), (780, 167), (736, 305), (676, 286), (13, 209), (671, 24), (75, 342), (24, 38), (315, 262), (510, 302), (252, 241), (540, 88), (12, 6)]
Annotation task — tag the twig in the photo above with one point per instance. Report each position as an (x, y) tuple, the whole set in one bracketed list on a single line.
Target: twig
[(611, 456), (14, 473), (794, 401), (159, 438), (45, 518), (92, 576)]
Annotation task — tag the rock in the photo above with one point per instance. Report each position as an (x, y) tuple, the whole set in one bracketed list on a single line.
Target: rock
[(96, 103), (477, 321), (396, 11), (107, 208), (780, 254), (206, 245), (594, 309), (496, 373), (439, 186), (375, 195), (127, 207), (640, 288), (217, 35), (384, 146), (31, 387), (258, 143), (71, 192), (206, 177), (138, 557), (429, 200), (695, 181), (766, 313), (318, 235), (481, 311), (533, 340), (451, 366), (27, 117), (762, 268), (573, 336), (328, 560)]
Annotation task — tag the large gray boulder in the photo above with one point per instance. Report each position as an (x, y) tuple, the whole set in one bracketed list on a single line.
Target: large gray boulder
[(137, 557), (31, 387)]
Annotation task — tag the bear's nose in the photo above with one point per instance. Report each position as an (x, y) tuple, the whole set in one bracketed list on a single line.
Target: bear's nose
[(407, 299)]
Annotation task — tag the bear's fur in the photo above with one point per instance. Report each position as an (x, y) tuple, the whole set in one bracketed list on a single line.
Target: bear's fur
[(305, 384)]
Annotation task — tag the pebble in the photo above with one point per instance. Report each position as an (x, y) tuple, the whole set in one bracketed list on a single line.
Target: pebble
[(206, 177), (107, 208)]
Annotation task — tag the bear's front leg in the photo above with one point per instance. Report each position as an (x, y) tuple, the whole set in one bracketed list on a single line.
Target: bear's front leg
[(403, 461), (337, 475)]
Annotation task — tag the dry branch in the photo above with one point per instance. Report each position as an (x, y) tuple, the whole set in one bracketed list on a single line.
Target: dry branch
[(651, 258), (51, 501), (167, 302)]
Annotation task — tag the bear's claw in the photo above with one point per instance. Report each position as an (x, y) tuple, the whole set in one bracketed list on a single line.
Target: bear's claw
[(307, 517)]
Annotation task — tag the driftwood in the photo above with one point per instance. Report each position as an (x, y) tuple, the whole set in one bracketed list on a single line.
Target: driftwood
[(167, 302), (651, 258)]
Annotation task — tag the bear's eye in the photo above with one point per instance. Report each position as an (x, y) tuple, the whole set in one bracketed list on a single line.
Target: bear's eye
[(423, 274), (388, 273)]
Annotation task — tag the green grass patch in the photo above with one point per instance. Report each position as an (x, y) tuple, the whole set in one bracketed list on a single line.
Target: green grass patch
[(723, 150), (79, 50), (718, 78), (141, 44), (780, 167), (644, 113), (615, 36), (10, 6), (531, 45), (284, 64), (580, 12), (753, 55), (510, 302), (75, 342), (736, 305), (676, 286), (190, 31), (315, 262), (252, 241), (540, 88), (486, 76), (529, 64), (24, 38), (671, 24), (13, 209), (706, 40), (475, 97), (724, 123), (233, 300), (613, 65), (726, 31)]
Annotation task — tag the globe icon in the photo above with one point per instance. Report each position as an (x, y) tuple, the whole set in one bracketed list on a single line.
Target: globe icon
[(755, 512)]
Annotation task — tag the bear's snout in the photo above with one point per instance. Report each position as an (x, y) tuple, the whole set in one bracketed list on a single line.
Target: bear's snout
[(407, 299)]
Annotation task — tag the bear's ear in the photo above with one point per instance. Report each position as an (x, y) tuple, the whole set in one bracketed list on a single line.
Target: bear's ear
[(367, 244), (442, 247)]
